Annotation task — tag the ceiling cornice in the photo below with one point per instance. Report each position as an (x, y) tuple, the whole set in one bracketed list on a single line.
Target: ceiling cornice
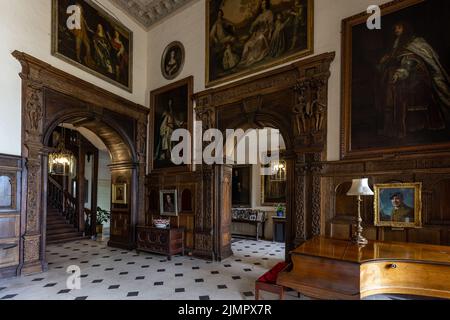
[(149, 12)]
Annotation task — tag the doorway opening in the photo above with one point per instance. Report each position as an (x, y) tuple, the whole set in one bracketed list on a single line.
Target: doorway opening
[(78, 195), (258, 218)]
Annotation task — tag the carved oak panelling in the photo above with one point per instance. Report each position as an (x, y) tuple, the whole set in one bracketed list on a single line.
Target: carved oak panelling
[(427, 169), (293, 99), (49, 97), (10, 198)]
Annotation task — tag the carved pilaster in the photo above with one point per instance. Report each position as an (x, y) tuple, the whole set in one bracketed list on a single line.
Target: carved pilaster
[(300, 206)]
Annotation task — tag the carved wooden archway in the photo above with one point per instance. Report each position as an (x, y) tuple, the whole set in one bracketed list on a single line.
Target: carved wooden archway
[(293, 99), (49, 97)]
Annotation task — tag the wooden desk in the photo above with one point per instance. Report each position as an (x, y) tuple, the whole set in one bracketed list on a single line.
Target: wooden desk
[(335, 269)]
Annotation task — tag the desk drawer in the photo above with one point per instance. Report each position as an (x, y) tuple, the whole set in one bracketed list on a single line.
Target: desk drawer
[(405, 277)]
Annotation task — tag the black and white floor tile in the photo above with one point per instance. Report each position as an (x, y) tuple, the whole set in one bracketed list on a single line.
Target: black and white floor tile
[(114, 274)]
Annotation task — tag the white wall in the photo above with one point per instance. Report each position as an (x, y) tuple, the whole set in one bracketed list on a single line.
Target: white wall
[(26, 26), (104, 183), (188, 26)]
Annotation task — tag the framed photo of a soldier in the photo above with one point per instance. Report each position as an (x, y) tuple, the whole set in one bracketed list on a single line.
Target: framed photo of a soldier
[(171, 109), (88, 37), (244, 37), (398, 205), (396, 86)]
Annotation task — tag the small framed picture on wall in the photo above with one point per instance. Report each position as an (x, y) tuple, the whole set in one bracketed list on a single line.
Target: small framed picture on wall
[(168, 202), (119, 193), (398, 205)]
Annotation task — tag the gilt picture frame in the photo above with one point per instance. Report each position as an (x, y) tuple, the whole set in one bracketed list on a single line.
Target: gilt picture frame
[(168, 202), (398, 205), (119, 193), (394, 80), (172, 60), (243, 47), (102, 46), (169, 104)]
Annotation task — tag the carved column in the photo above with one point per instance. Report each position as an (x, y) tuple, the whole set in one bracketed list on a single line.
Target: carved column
[(141, 148), (34, 154), (299, 198), (204, 220)]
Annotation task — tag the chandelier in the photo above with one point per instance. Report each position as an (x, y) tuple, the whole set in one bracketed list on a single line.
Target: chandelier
[(62, 161), (278, 171)]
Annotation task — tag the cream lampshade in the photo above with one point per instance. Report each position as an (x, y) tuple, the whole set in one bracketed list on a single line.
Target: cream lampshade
[(360, 187)]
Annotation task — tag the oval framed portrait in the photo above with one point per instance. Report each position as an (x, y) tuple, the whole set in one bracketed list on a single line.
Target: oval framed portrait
[(172, 61)]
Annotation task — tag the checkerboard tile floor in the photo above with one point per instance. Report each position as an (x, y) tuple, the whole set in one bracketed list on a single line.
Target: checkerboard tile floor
[(113, 274)]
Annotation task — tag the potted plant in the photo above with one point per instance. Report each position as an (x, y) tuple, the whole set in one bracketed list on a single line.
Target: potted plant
[(102, 217), (280, 209)]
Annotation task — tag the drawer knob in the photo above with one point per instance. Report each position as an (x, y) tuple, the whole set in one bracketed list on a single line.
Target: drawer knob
[(393, 266)]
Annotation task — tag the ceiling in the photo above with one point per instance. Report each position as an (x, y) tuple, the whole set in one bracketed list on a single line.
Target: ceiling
[(149, 12)]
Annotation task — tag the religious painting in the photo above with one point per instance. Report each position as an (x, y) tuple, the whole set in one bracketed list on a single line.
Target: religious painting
[(241, 186), (246, 36), (171, 110), (396, 85), (169, 202), (119, 193), (398, 205), (172, 61), (273, 187), (85, 35)]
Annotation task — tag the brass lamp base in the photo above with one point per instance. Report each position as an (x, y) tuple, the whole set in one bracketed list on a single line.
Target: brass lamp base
[(359, 240)]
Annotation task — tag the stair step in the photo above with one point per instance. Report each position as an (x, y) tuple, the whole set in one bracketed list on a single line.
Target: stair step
[(54, 226), (56, 221), (62, 236), (64, 230), (67, 240)]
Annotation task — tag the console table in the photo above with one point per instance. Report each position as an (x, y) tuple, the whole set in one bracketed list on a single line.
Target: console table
[(326, 268), (168, 241), (259, 225)]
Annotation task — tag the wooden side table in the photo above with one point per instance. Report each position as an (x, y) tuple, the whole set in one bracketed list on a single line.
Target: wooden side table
[(168, 241), (279, 229)]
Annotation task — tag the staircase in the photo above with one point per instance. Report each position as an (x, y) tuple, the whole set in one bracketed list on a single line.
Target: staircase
[(61, 226)]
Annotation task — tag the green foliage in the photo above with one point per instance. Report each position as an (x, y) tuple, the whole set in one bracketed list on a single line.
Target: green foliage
[(102, 216), (280, 207)]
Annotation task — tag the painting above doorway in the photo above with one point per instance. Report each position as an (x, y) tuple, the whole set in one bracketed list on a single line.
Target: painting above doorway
[(396, 93), (247, 36), (100, 45)]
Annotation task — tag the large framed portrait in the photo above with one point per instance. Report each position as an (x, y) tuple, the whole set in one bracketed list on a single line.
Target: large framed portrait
[(398, 205), (396, 87), (99, 44), (172, 60), (119, 193), (244, 37), (168, 202), (171, 110), (241, 186)]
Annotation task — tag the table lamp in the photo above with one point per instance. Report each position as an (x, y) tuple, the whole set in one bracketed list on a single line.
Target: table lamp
[(360, 187)]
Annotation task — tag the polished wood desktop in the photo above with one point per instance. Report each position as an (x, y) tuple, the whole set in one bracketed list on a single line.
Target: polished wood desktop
[(325, 268)]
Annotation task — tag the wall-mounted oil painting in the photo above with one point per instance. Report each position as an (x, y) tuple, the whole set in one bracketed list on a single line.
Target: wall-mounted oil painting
[(85, 35), (246, 36), (273, 188), (241, 186), (398, 205), (171, 110), (396, 94), (172, 60)]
